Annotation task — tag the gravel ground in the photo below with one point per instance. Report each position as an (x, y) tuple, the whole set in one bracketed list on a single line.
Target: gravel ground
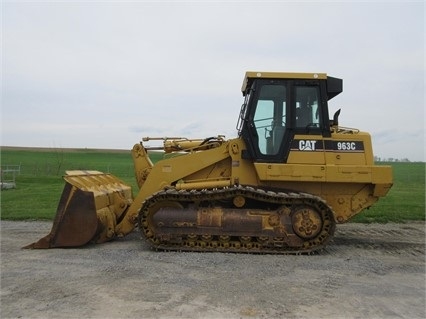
[(368, 271)]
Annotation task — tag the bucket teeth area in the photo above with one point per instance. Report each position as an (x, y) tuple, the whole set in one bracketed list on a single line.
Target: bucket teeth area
[(89, 208)]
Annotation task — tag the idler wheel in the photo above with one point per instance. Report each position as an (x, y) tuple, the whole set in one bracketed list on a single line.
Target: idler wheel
[(307, 222)]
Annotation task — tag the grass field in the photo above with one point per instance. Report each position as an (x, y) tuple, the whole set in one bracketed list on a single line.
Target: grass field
[(40, 183)]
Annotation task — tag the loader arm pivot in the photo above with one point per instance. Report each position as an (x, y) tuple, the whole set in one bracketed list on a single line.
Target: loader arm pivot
[(174, 172)]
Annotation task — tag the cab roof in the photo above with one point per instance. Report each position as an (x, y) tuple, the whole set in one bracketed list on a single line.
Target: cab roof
[(280, 75), (334, 85)]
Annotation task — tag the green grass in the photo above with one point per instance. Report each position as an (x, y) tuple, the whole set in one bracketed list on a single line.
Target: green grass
[(34, 198), (406, 199), (40, 183)]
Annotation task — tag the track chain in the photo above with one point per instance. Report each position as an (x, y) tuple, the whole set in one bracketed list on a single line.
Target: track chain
[(242, 243)]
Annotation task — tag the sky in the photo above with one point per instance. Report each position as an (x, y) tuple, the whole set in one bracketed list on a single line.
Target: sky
[(104, 74)]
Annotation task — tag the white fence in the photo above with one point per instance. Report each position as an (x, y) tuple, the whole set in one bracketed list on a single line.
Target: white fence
[(8, 175)]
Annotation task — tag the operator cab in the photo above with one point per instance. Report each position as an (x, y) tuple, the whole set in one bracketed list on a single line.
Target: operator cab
[(279, 105)]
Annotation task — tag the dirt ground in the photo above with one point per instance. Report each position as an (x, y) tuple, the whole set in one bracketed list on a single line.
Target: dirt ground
[(368, 271)]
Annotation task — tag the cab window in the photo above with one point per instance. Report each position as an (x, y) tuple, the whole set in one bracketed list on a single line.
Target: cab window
[(270, 118), (307, 112)]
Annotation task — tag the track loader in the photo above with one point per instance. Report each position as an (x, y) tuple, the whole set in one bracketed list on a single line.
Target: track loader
[(281, 186)]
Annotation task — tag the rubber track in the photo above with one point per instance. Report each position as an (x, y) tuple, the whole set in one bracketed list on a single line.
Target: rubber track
[(281, 198)]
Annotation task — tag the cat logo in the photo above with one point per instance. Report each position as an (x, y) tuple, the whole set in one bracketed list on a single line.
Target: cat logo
[(308, 145)]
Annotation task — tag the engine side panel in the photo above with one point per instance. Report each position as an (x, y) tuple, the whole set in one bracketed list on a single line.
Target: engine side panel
[(339, 169)]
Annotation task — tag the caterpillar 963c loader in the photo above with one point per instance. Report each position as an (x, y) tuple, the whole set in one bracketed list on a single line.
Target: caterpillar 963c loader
[(280, 186)]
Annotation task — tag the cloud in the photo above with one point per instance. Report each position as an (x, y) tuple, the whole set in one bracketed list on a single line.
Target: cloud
[(114, 71), (407, 143)]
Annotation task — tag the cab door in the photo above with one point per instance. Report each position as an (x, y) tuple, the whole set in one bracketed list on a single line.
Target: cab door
[(265, 129)]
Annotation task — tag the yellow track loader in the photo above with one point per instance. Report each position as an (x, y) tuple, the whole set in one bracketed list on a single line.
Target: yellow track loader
[(281, 186)]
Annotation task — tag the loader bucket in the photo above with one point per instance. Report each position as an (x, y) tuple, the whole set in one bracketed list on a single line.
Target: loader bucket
[(90, 206)]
